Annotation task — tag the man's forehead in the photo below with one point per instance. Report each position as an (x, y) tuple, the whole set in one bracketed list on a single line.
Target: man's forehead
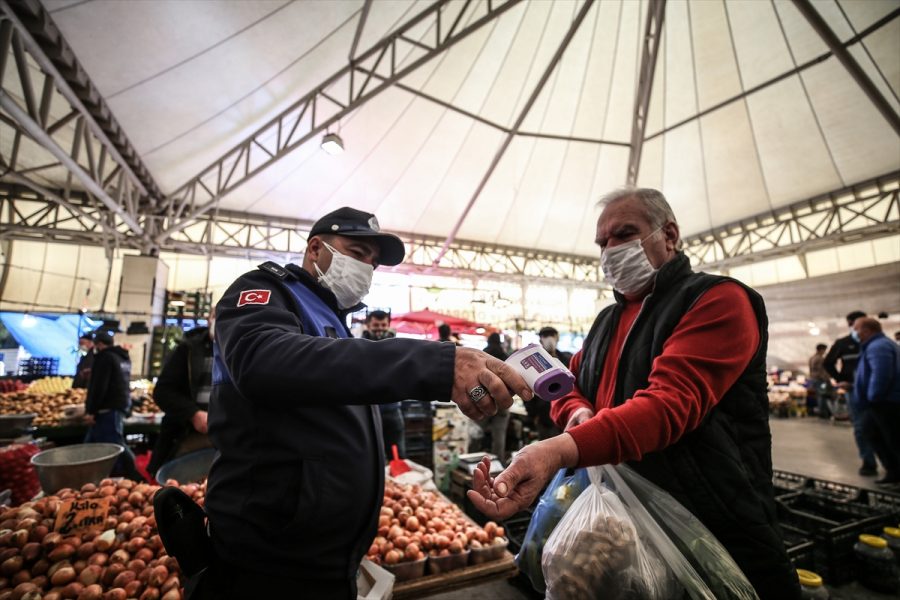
[(370, 245), (623, 212)]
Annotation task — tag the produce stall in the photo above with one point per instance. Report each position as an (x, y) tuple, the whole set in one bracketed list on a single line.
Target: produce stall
[(430, 545), (97, 542)]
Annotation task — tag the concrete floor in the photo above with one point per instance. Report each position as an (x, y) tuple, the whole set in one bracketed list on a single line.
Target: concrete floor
[(808, 446)]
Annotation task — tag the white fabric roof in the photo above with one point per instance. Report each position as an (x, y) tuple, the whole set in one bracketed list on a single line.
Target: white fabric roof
[(188, 80)]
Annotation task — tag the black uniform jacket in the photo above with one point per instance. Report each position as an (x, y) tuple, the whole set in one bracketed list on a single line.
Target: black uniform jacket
[(108, 388), (297, 484)]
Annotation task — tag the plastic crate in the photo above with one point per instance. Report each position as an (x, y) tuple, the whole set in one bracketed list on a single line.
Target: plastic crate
[(415, 409), (516, 526), (803, 555), (786, 483), (834, 528)]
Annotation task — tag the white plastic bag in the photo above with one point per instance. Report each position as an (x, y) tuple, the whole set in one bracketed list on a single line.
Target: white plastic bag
[(596, 552)]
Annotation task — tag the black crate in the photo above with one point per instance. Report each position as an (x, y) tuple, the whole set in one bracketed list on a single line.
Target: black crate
[(803, 556), (417, 426), (786, 483), (834, 527), (516, 526), (415, 409)]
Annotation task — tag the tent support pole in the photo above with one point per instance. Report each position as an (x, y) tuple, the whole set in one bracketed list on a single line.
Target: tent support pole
[(545, 77), (842, 54)]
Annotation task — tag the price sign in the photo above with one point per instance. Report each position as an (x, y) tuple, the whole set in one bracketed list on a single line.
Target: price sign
[(79, 516)]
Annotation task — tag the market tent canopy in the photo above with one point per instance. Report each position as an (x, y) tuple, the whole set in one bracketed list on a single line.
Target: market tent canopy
[(426, 322), (749, 110)]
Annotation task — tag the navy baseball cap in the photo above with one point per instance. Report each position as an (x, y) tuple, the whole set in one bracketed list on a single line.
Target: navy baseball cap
[(350, 222)]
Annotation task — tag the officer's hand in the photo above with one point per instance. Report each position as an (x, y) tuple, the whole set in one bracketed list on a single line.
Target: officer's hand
[(473, 368), (89, 419), (578, 417), (199, 421)]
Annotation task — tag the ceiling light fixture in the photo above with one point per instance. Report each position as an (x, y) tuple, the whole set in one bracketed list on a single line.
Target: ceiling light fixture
[(332, 144)]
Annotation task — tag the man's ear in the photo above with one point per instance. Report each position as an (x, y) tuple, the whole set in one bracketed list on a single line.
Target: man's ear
[(313, 247), (672, 234)]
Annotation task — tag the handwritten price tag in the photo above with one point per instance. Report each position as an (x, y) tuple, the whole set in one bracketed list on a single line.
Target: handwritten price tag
[(78, 516)]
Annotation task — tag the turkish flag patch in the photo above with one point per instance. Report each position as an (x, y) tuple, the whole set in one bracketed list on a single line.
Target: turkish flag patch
[(254, 297)]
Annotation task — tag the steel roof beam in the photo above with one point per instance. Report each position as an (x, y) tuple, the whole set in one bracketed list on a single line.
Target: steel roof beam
[(656, 14), (856, 72), (45, 43), (339, 95), (545, 77)]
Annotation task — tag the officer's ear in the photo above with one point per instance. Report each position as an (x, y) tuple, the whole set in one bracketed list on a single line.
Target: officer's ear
[(314, 247)]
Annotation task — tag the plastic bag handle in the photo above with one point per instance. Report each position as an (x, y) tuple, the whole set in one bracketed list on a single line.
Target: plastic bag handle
[(683, 570)]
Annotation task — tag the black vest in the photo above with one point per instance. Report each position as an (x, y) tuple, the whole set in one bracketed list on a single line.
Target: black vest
[(721, 471)]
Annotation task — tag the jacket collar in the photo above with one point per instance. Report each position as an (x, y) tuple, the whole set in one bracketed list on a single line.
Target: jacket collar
[(326, 295), (878, 335), (674, 270)]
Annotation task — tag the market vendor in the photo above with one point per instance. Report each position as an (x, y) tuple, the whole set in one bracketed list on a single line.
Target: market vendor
[(296, 487), (182, 392), (671, 379)]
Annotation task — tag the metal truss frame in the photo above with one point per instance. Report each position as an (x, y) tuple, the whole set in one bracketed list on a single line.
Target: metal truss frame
[(656, 15), (359, 81), (77, 149), (28, 215), (93, 189), (867, 210)]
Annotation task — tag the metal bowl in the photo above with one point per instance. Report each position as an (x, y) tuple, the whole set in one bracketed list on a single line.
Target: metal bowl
[(74, 466), (190, 468), (12, 426)]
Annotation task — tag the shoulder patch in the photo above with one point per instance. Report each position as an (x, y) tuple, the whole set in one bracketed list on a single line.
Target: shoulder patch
[(274, 268), (254, 297)]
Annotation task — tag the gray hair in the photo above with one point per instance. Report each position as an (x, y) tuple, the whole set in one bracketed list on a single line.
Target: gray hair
[(652, 201)]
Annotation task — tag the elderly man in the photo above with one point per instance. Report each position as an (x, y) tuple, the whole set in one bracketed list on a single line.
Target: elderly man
[(671, 379), (296, 486), (877, 388)]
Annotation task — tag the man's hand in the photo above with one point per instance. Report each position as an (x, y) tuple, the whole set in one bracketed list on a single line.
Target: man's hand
[(473, 368), (89, 419), (199, 421), (578, 417), (516, 488)]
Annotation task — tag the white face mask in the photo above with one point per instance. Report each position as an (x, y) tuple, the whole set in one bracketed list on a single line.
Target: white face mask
[(349, 279), (549, 343), (626, 266)]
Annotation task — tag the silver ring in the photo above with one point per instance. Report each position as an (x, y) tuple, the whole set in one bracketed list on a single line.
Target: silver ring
[(477, 393)]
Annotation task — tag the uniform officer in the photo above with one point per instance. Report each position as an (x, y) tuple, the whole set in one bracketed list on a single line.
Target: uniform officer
[(295, 490)]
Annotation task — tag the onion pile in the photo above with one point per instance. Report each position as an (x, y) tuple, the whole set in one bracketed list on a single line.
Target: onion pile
[(124, 559), (415, 523)]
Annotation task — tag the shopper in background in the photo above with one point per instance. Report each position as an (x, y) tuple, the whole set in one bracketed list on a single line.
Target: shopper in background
[(877, 388), (444, 333), (296, 487), (897, 336), (497, 424), (819, 381), (182, 392), (108, 401), (378, 326), (83, 368), (539, 409), (672, 380), (846, 350), (495, 347), (393, 431)]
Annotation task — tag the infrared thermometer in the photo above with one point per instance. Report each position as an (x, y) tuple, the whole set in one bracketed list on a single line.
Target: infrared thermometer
[(544, 374)]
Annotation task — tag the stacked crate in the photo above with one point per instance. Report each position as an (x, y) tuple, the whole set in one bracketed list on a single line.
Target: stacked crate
[(822, 520), (417, 432)]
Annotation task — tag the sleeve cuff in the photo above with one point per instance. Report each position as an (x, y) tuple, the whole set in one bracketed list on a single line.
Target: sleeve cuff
[(595, 441)]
